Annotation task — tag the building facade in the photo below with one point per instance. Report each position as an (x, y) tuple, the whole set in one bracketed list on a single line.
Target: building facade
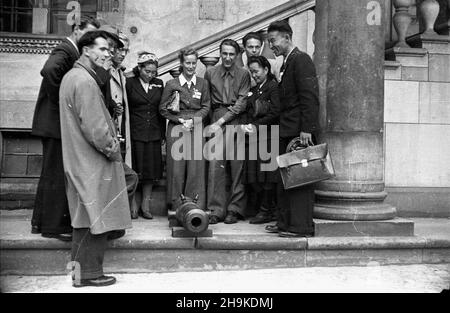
[(415, 166)]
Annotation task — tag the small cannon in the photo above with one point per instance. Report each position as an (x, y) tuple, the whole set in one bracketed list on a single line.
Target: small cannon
[(188, 220)]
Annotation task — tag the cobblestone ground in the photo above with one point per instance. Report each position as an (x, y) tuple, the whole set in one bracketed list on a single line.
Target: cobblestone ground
[(374, 278)]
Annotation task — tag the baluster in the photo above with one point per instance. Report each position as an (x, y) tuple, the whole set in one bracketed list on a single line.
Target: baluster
[(402, 20), (209, 61), (175, 72), (429, 11)]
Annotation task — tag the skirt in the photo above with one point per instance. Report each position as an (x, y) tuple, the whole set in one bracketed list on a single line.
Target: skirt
[(147, 160)]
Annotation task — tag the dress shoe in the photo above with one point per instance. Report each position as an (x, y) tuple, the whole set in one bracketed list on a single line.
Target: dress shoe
[(35, 230), (147, 215), (261, 218), (95, 282), (62, 237), (288, 234), (115, 234), (272, 229), (213, 219), (231, 218)]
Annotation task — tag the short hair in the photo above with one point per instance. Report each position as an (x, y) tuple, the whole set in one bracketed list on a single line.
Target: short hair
[(185, 52), (86, 20), (88, 39), (232, 43), (252, 35), (263, 62), (280, 26)]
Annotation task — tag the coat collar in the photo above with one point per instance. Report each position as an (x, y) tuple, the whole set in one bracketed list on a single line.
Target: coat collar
[(182, 80), (71, 47), (290, 57), (78, 64)]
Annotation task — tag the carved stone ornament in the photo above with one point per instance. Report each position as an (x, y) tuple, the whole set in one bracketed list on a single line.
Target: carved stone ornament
[(27, 44)]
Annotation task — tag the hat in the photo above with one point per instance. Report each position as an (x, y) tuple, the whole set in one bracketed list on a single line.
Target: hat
[(113, 33), (144, 56)]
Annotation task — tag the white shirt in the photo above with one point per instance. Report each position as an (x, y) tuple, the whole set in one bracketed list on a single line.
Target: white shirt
[(183, 80), (73, 43), (285, 59), (144, 84)]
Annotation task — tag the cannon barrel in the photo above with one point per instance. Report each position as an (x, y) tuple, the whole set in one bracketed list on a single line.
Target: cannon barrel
[(190, 216)]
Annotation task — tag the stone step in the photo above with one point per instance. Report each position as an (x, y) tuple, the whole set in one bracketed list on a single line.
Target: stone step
[(398, 227), (149, 247)]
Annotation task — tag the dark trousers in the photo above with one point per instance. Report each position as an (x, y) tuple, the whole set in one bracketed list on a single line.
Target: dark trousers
[(51, 209), (88, 251), (218, 201), (295, 205), (132, 180)]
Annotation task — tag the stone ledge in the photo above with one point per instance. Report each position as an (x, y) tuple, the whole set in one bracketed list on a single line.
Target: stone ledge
[(332, 228), (432, 42), (263, 242), (414, 57), (250, 242), (392, 64)]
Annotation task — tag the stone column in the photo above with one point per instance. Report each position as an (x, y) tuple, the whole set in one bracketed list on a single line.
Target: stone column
[(349, 57)]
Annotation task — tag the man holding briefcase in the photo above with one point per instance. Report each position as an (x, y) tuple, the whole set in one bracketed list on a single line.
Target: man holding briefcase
[(299, 98)]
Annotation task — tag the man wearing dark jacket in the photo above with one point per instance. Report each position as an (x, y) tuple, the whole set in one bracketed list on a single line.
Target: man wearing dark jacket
[(299, 98), (51, 213)]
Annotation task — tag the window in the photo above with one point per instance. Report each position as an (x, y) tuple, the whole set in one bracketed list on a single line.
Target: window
[(16, 16), (42, 16), (59, 12), (21, 155)]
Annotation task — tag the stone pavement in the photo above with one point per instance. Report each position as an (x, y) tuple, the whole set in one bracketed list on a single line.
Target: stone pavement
[(373, 278)]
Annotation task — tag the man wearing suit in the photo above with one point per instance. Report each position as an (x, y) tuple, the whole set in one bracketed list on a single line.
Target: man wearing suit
[(51, 213), (299, 98)]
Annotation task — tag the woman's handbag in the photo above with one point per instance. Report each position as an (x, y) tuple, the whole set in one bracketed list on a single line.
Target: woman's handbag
[(174, 104), (305, 165), (262, 107)]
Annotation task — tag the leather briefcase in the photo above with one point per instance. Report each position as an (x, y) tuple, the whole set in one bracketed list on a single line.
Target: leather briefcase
[(306, 166)]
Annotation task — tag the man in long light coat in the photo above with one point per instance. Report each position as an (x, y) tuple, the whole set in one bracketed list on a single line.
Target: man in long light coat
[(95, 180)]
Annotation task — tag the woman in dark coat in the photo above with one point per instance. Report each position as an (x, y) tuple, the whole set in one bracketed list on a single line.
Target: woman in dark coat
[(186, 175), (147, 127), (263, 107)]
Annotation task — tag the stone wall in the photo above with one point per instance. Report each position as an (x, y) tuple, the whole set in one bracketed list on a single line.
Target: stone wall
[(417, 132)]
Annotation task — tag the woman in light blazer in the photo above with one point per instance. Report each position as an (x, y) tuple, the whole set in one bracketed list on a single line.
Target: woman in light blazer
[(186, 169)]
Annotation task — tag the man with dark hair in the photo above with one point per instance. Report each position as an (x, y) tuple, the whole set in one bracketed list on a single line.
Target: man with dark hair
[(96, 187), (254, 46), (51, 212), (299, 98), (229, 85)]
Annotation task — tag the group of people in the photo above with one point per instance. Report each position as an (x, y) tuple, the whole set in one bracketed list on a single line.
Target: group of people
[(103, 130)]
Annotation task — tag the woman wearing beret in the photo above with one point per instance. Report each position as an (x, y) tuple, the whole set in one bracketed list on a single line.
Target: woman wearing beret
[(147, 126), (186, 172)]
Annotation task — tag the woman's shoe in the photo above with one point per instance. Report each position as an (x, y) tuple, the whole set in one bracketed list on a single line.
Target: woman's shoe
[(147, 215), (35, 230)]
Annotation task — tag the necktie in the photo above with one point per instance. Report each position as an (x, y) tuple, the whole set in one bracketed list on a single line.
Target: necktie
[(226, 88)]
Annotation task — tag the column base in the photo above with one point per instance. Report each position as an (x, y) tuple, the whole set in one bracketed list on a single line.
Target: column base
[(353, 206), (397, 227)]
